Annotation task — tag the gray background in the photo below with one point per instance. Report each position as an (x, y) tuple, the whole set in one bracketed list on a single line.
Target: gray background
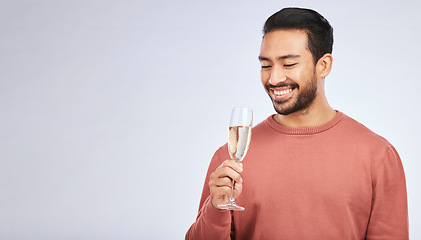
[(111, 110)]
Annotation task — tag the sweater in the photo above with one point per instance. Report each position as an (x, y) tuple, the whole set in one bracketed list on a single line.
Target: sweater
[(338, 180)]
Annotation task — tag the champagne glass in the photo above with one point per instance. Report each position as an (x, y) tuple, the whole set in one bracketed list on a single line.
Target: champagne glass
[(239, 135)]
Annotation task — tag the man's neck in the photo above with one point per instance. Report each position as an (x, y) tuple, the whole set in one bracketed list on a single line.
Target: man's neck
[(310, 117)]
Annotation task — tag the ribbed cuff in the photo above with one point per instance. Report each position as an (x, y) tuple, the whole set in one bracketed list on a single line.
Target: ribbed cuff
[(221, 218)]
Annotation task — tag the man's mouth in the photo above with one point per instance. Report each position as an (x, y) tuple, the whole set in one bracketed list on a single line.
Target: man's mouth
[(281, 92)]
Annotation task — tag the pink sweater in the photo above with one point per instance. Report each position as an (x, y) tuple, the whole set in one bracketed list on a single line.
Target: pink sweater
[(334, 181)]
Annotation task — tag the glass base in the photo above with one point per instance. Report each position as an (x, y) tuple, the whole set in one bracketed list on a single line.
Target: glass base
[(231, 205)]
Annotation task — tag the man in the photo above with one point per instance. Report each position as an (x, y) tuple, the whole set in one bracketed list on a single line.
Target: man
[(311, 172)]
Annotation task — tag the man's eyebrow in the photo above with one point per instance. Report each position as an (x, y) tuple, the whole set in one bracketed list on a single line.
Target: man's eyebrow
[(289, 56), (261, 58)]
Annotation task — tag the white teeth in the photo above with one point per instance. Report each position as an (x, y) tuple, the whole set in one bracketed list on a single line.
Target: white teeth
[(283, 92)]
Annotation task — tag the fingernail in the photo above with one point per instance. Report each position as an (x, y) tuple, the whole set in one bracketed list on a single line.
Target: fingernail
[(240, 168)]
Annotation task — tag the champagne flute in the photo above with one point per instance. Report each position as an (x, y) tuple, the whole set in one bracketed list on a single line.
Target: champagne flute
[(239, 135)]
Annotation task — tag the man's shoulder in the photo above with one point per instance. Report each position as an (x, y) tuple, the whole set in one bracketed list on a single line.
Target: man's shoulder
[(360, 132), (263, 127)]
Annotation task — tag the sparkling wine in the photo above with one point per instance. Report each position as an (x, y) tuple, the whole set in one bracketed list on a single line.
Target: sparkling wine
[(238, 141)]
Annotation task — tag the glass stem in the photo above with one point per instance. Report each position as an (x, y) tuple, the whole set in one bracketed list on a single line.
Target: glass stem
[(232, 191), (233, 185)]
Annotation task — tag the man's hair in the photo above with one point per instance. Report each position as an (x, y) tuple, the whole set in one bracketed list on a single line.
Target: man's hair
[(319, 32)]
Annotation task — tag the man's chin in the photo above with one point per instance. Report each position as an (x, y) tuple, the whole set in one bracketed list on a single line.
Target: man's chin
[(284, 110), (283, 113)]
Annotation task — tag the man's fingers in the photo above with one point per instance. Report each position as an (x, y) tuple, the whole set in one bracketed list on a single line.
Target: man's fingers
[(226, 172), (236, 166), (220, 182), (223, 182)]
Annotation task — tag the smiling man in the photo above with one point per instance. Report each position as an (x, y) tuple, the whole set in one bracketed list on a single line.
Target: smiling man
[(289, 74), (311, 172)]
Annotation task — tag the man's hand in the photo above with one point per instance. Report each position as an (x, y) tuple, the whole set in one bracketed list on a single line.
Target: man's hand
[(220, 182)]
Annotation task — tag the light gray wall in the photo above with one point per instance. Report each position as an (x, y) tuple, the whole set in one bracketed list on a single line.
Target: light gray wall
[(111, 110)]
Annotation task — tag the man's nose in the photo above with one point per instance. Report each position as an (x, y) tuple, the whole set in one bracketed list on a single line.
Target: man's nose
[(277, 76)]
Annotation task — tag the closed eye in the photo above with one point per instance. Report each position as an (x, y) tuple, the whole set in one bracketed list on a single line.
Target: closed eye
[(266, 66), (290, 65)]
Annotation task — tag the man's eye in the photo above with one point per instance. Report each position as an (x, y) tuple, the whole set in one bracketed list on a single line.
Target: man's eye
[(266, 66), (290, 65)]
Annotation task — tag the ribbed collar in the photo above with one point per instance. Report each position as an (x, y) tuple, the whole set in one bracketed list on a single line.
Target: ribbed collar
[(306, 130)]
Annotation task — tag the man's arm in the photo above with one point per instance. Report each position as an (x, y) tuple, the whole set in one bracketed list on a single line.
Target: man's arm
[(389, 211), (212, 223)]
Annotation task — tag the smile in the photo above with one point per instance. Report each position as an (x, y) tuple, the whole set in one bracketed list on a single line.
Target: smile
[(282, 92)]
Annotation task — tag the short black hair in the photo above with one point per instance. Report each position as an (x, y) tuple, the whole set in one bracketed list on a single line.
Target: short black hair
[(318, 29)]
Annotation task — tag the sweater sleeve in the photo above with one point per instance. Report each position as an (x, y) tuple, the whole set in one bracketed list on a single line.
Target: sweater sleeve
[(210, 223), (389, 211)]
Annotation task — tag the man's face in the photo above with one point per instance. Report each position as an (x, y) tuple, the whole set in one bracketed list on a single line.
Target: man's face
[(288, 70)]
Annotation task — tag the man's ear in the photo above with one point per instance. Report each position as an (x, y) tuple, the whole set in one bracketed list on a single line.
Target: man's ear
[(324, 65)]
